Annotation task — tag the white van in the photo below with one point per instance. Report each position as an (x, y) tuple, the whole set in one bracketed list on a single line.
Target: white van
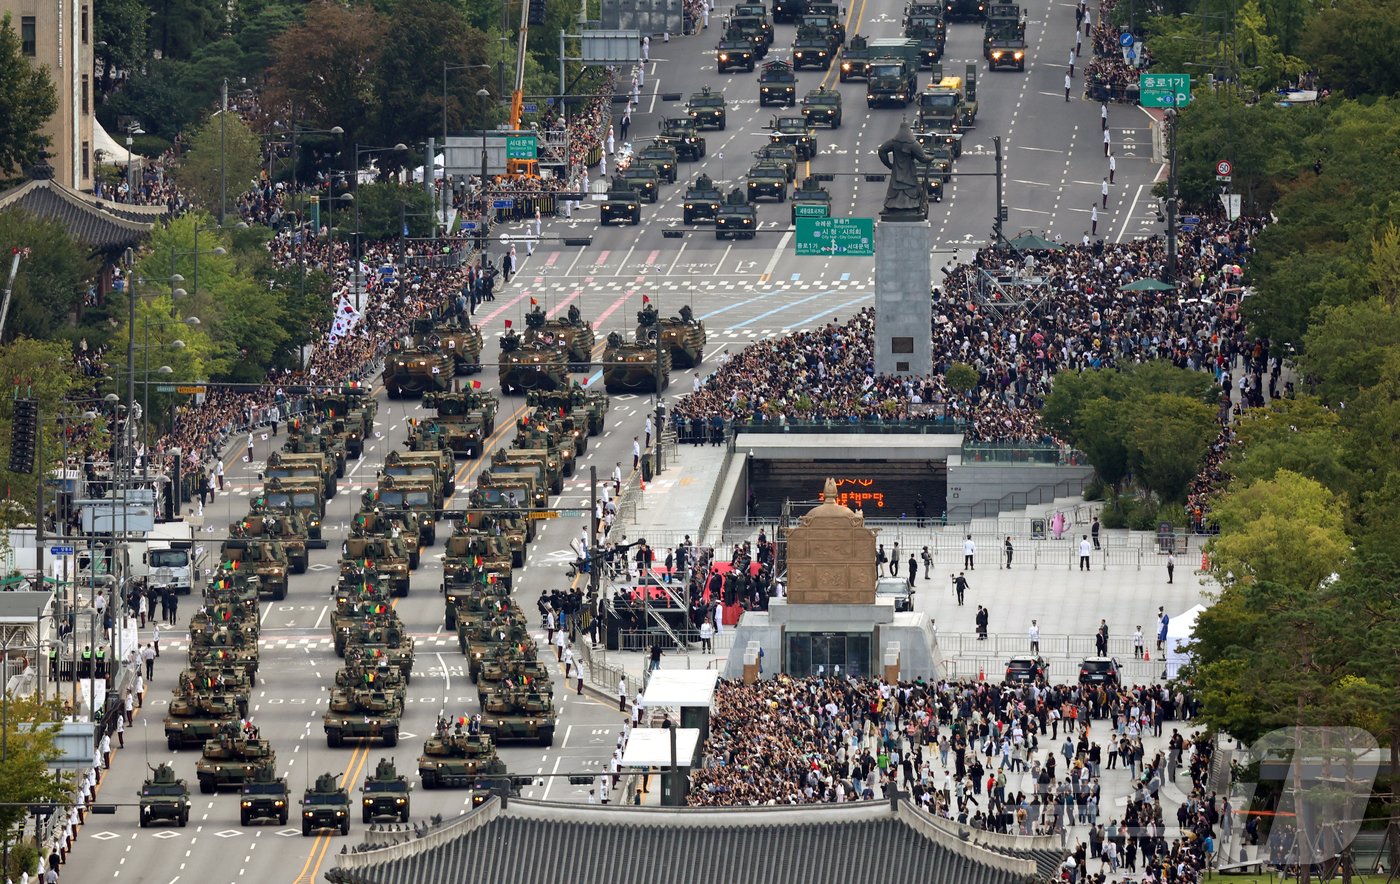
[(167, 557)]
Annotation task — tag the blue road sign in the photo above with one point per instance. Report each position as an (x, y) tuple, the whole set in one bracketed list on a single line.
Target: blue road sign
[(532, 108), (1125, 39), (502, 204), (61, 550), (1189, 221), (468, 225)]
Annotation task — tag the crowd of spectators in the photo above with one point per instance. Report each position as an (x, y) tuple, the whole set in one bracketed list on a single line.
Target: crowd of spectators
[(1109, 75), (1019, 759)]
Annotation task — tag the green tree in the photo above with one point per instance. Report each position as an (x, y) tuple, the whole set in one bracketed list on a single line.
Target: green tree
[(1168, 438), (324, 74), (227, 152), (52, 279), (1351, 41), (27, 100), (1099, 433), (1297, 434), (962, 377), (385, 206), (156, 97), (1285, 531), (180, 27), (31, 728), (1345, 345), (119, 30)]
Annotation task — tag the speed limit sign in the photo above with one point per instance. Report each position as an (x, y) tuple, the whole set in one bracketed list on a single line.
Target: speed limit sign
[(1223, 169)]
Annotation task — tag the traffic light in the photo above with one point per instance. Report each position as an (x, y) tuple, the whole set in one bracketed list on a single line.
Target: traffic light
[(24, 436), (537, 12)]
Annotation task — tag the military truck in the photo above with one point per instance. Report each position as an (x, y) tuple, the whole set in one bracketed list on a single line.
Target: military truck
[(822, 107), (662, 156), (454, 758), (644, 180), (783, 154), (571, 333), (436, 465), (590, 406), (457, 337), (924, 22), (301, 496), (812, 47), (945, 113), (707, 109), (683, 334), (788, 10), (386, 554), (524, 487), (287, 529), (1004, 37), (621, 204), (795, 132), (384, 796), (465, 419), (164, 798), (777, 85), (354, 403), (411, 493), (266, 558), (311, 465), (415, 371), (702, 201), (829, 16), (965, 10), (767, 180), (738, 218), (264, 797), (756, 30), (383, 521), (531, 367), (195, 715), (325, 806), (362, 714), (633, 368), (682, 136), (231, 759), (734, 50), (531, 453), (517, 713), (892, 80), (815, 200)]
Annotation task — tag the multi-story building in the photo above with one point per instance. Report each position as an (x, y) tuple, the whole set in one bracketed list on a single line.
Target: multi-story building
[(57, 34)]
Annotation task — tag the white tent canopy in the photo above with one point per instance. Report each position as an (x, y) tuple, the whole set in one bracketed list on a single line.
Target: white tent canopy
[(110, 150), (1180, 631), (651, 747)]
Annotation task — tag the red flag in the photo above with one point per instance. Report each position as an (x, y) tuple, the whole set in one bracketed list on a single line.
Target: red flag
[(534, 303), (476, 385), (507, 323), (646, 300)]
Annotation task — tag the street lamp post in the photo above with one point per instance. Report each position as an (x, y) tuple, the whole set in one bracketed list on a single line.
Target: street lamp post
[(483, 94), (1171, 116), (131, 130)]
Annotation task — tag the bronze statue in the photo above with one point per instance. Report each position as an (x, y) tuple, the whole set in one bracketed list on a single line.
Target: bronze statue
[(905, 199)]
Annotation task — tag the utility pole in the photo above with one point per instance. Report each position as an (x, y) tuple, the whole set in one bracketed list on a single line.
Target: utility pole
[(1001, 208), (1171, 116), (223, 168)]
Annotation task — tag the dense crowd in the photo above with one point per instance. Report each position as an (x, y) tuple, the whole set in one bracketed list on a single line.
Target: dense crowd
[(1108, 74), (1018, 759)]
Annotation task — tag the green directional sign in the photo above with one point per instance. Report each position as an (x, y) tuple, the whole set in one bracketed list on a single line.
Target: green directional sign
[(1164, 90), (165, 388), (851, 237), (521, 147), (811, 210)]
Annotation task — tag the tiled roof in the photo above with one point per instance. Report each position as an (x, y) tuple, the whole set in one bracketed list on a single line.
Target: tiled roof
[(100, 225), (529, 842)]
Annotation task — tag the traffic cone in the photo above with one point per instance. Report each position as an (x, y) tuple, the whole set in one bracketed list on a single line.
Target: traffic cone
[(1146, 654)]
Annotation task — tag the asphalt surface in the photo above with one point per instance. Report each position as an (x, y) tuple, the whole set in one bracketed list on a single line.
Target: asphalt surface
[(744, 290)]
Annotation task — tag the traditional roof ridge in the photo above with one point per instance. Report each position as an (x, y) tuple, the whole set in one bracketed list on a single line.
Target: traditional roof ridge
[(92, 221)]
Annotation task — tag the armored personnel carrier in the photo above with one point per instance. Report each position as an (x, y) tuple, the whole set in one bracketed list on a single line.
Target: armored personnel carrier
[(575, 399), (288, 529), (683, 334), (532, 367), (325, 806), (737, 219), (571, 333), (309, 465), (417, 371), (164, 798), (383, 521), (386, 554), (264, 797), (198, 715), (231, 759), (510, 522), (457, 338), (266, 558), (384, 795), (304, 497), (632, 368), (407, 492), (517, 713), (454, 758), (362, 714)]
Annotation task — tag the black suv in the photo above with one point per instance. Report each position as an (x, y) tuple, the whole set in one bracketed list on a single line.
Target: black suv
[(1027, 669), (1101, 670)]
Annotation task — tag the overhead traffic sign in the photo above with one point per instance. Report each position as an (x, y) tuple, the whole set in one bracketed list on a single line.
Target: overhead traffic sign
[(191, 391), (1164, 90), (468, 225), (521, 147), (851, 237), (531, 108), (502, 204), (811, 210)]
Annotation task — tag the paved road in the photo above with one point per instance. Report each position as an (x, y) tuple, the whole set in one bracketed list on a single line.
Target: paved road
[(744, 291)]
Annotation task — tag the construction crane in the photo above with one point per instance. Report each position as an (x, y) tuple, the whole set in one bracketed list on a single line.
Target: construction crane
[(521, 168), (17, 254)]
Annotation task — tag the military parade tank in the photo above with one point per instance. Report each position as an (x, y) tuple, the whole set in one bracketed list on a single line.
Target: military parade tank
[(519, 714), (287, 529), (305, 497), (454, 758), (382, 521), (217, 630), (264, 797), (594, 402), (217, 655), (325, 806), (571, 333), (464, 420), (266, 558), (362, 714), (331, 437), (208, 676), (354, 403), (511, 522), (542, 467), (516, 665), (632, 368), (567, 429), (355, 609), (362, 671), (457, 337), (164, 798), (684, 335), (309, 465), (384, 796), (417, 371), (386, 555), (221, 613), (472, 555), (531, 367), (231, 759), (197, 715), (384, 643), (469, 600), (412, 493), (478, 640), (236, 588)]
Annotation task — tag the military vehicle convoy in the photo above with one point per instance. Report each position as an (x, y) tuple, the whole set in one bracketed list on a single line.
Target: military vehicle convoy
[(767, 180), (387, 555), (682, 135), (264, 797), (385, 521), (707, 109), (517, 713), (232, 758), (164, 798), (737, 218), (644, 180), (452, 757), (513, 664), (661, 155), (734, 50), (632, 368), (362, 714), (325, 806), (286, 529), (309, 465), (589, 405), (437, 466), (571, 333), (384, 796), (531, 367), (417, 371), (479, 639), (417, 494), (683, 334), (797, 132), (1004, 37)]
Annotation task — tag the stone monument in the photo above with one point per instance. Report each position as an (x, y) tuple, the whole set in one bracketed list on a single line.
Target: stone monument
[(831, 556), (903, 269)]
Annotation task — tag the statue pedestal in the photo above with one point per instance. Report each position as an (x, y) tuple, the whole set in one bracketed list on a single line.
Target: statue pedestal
[(903, 305)]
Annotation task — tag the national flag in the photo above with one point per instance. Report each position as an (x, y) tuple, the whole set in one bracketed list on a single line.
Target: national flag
[(476, 385), (534, 303), (507, 323), (646, 300)]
